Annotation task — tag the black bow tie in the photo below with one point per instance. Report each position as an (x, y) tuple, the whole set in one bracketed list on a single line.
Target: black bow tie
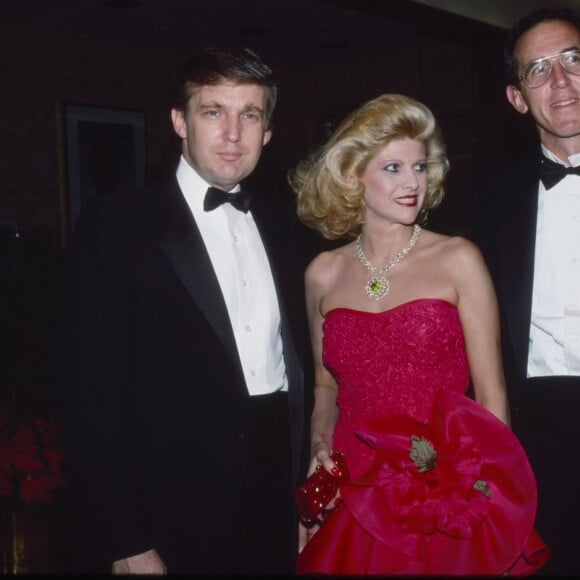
[(551, 173), (215, 197)]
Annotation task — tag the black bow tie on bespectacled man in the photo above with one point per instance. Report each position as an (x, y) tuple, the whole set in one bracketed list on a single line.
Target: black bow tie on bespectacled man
[(551, 173), (215, 197)]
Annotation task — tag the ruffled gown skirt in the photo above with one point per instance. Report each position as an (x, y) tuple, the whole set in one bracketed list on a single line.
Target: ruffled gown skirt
[(471, 513)]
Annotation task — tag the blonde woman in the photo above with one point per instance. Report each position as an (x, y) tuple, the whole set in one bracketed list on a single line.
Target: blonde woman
[(401, 320)]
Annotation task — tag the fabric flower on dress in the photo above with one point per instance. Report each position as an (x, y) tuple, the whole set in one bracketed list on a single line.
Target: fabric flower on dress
[(440, 496)]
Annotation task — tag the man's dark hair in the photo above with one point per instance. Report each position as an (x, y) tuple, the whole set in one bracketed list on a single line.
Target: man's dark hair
[(216, 64), (511, 66)]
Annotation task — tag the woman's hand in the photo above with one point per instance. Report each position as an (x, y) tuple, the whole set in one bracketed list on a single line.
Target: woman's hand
[(320, 457)]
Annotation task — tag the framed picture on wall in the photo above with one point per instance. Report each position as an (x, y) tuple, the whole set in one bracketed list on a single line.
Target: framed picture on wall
[(104, 153)]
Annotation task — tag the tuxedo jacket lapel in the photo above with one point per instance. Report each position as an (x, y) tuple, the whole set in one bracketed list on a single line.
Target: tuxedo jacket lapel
[(517, 252), (276, 245), (184, 248)]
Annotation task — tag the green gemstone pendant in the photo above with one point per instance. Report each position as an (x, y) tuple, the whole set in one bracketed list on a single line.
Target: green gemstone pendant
[(377, 288)]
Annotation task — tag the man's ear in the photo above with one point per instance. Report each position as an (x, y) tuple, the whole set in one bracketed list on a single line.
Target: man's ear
[(178, 120), (267, 137), (516, 99)]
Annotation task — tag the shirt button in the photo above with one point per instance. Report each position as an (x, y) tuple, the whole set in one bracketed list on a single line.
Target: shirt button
[(236, 238), (253, 373), (244, 283), (248, 328)]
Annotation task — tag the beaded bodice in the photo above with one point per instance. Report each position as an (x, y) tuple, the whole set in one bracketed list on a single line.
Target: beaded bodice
[(391, 362)]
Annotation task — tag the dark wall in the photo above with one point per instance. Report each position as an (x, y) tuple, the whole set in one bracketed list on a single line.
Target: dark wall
[(451, 63), (45, 69)]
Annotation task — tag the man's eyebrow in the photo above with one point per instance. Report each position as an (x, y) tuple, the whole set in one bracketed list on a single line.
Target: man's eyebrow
[(254, 107), (249, 107), (575, 47), (210, 105)]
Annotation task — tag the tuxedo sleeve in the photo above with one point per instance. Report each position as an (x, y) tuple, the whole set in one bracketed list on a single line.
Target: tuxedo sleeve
[(95, 357)]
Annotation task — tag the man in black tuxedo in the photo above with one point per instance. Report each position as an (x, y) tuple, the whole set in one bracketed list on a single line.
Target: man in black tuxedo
[(528, 227), (182, 372)]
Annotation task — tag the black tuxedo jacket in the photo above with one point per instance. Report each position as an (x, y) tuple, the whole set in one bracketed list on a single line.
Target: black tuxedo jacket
[(505, 229), (154, 402)]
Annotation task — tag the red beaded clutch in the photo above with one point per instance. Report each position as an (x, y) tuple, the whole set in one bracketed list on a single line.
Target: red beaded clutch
[(315, 493)]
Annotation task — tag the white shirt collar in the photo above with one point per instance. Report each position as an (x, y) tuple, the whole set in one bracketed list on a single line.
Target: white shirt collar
[(573, 160)]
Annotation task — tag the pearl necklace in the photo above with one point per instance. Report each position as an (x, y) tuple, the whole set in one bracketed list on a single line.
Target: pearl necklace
[(378, 286)]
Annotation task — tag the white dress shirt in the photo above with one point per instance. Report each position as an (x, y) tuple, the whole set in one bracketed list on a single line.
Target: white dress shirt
[(240, 263), (554, 347)]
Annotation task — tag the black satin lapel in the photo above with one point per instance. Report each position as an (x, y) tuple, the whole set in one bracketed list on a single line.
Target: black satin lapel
[(274, 242), (279, 250), (185, 250), (517, 251)]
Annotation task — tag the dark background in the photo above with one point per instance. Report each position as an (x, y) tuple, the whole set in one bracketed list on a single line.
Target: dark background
[(330, 56)]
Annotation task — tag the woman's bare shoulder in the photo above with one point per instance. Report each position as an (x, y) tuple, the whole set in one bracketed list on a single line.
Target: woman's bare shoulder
[(452, 248), (327, 265)]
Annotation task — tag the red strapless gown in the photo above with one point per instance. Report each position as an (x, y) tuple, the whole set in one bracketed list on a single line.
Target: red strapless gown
[(402, 377)]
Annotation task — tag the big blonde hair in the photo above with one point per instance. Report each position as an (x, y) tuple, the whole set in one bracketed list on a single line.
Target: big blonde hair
[(327, 184)]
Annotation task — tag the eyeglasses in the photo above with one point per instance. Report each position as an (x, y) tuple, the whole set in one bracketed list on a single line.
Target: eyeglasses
[(537, 72)]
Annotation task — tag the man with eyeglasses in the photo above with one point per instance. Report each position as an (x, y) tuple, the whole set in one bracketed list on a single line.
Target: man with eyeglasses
[(528, 226)]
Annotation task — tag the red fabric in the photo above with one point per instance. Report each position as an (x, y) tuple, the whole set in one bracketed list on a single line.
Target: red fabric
[(395, 519)]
